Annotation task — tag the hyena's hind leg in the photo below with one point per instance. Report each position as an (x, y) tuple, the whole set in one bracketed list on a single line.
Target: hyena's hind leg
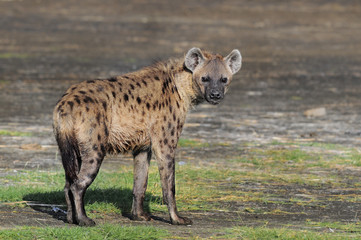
[(70, 217), (89, 169), (141, 166), (91, 160)]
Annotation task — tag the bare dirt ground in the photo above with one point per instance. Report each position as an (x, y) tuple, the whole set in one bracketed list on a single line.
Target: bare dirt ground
[(296, 56)]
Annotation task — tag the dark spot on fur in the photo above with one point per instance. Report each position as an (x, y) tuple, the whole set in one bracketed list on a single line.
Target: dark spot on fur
[(82, 92), (170, 108), (73, 88), (156, 78), (169, 125), (71, 104), (126, 98), (91, 161), (130, 92), (88, 99), (138, 84), (114, 95), (131, 86), (95, 147), (139, 100), (166, 141), (155, 105), (100, 156), (169, 157), (105, 106), (99, 137), (164, 118), (148, 106), (91, 91), (102, 148), (87, 108), (98, 118), (113, 79), (172, 132), (174, 116), (177, 104), (90, 81), (77, 100), (144, 82), (106, 130)]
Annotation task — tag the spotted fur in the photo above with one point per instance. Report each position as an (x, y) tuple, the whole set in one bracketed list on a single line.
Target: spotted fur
[(141, 112)]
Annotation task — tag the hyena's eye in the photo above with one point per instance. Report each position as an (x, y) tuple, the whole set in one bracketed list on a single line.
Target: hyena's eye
[(205, 79), (224, 80)]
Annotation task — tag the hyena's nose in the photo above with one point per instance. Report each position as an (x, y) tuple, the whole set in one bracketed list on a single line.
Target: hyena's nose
[(215, 94)]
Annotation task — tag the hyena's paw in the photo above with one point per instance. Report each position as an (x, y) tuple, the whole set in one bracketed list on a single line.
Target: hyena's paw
[(70, 218), (181, 221), (86, 222), (141, 217)]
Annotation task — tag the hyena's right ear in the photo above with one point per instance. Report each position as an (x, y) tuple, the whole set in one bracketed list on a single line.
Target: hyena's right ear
[(193, 58)]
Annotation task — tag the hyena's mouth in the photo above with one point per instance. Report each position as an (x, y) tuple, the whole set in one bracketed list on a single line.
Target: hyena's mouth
[(214, 97), (213, 101)]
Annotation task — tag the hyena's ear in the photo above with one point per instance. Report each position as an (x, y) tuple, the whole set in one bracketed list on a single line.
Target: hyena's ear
[(234, 61), (193, 58)]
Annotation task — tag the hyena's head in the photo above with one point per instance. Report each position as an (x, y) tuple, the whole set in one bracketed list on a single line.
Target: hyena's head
[(212, 73)]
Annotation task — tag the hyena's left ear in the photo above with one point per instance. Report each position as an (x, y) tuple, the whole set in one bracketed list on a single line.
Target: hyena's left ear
[(234, 61), (193, 58)]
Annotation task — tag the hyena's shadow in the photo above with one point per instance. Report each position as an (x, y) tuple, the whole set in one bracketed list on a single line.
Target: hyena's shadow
[(53, 203)]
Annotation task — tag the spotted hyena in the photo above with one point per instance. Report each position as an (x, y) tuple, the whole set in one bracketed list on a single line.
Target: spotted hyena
[(141, 112)]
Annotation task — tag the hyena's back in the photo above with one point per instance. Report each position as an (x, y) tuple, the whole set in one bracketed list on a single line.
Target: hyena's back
[(113, 116)]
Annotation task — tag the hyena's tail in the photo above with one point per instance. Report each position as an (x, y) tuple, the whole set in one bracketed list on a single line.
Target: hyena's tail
[(70, 155)]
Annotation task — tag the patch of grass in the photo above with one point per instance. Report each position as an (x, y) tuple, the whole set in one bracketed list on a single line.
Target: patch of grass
[(107, 231), (192, 143), (14, 133), (282, 181), (258, 233), (337, 226), (13, 55)]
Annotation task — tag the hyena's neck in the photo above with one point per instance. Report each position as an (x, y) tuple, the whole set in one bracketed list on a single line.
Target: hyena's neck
[(187, 88)]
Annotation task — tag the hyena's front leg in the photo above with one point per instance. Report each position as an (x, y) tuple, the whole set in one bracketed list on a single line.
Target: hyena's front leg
[(141, 166), (166, 164)]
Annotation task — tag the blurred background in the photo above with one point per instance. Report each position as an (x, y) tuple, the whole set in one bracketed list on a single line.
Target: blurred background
[(300, 79)]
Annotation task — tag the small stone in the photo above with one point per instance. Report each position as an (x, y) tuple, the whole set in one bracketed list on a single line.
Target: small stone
[(31, 146), (315, 112)]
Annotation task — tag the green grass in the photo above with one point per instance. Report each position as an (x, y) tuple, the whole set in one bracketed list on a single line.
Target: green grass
[(277, 175), (259, 233), (107, 231), (14, 133), (13, 55), (191, 143)]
